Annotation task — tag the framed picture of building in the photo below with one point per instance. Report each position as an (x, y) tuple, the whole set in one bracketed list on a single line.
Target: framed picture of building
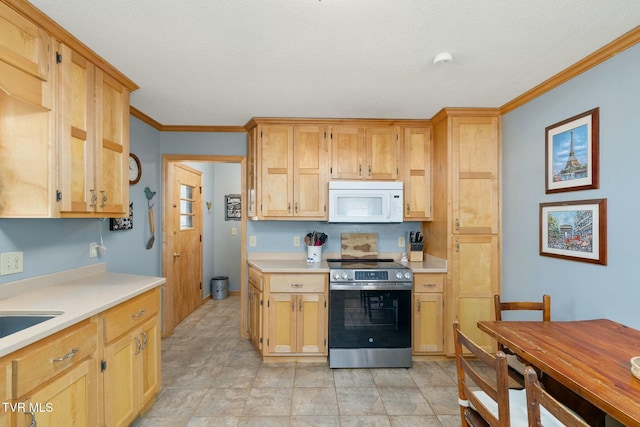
[(572, 153), (575, 230)]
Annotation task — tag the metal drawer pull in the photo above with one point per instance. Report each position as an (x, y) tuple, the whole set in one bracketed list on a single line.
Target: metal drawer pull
[(138, 314), (104, 198), (66, 356), (297, 285), (144, 340)]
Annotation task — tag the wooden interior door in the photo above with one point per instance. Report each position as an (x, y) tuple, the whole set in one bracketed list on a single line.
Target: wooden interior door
[(186, 221)]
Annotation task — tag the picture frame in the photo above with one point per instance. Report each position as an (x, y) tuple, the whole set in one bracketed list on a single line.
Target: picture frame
[(126, 223), (232, 203), (574, 230), (572, 153)]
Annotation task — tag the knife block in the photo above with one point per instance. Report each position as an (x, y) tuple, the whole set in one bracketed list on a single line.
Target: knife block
[(416, 251)]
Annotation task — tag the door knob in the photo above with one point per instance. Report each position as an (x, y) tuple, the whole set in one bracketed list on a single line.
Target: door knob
[(176, 254)]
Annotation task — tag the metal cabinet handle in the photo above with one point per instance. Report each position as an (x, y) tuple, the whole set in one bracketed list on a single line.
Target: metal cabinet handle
[(408, 209), (296, 207), (296, 285), (94, 198), (289, 208), (33, 422), (144, 340), (66, 356), (138, 314), (138, 345), (104, 198), (369, 170), (457, 223)]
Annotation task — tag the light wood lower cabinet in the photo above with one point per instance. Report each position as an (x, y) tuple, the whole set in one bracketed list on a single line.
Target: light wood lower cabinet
[(102, 371), (255, 307), (132, 358), (296, 314), (428, 313), (55, 381)]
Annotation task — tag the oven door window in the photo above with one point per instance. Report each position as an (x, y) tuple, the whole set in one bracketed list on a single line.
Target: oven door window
[(370, 319)]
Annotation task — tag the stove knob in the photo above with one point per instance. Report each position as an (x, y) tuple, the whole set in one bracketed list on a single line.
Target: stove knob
[(399, 275), (344, 276), (336, 275), (407, 275)]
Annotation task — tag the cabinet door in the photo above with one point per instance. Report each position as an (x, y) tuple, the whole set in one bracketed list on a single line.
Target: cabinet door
[(475, 272), (69, 400), (309, 172), (475, 163), (281, 315), (382, 153), (5, 394), (276, 157), (77, 140), (311, 320), (23, 44), (255, 317), (252, 172), (347, 152), (112, 140), (417, 174), (428, 333), (148, 361), (120, 380)]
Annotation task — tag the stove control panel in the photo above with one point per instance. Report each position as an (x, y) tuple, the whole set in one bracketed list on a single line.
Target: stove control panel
[(392, 275)]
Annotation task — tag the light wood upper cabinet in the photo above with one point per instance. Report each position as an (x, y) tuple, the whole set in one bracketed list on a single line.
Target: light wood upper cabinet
[(475, 150), (417, 174), (27, 142), (347, 152), (365, 152), (293, 178), (64, 139), (94, 139)]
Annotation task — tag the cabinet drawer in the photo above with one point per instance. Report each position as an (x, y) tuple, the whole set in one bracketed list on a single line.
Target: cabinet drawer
[(297, 283), (428, 282), (255, 278), (130, 314), (42, 361)]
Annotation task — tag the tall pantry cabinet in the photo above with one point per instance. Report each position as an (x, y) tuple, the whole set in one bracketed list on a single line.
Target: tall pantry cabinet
[(466, 216)]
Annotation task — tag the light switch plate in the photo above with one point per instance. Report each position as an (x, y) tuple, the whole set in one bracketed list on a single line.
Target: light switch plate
[(12, 263)]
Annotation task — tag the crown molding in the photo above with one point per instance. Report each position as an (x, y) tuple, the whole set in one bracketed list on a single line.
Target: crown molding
[(606, 52)]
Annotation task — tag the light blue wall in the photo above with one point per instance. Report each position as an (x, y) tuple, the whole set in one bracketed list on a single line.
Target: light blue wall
[(277, 236), (578, 290)]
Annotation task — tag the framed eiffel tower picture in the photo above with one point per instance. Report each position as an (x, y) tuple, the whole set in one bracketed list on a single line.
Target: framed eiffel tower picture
[(572, 153)]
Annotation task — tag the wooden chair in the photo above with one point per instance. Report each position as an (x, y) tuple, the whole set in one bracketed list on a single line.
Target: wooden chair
[(516, 367), (483, 386), (543, 409)]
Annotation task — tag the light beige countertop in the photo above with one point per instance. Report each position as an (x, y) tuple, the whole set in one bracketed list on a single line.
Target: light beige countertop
[(75, 294), (294, 263)]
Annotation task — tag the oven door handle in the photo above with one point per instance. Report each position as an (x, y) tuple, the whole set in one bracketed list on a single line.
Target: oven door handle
[(371, 287)]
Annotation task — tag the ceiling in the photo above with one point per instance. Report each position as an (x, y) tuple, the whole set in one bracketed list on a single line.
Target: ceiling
[(221, 62)]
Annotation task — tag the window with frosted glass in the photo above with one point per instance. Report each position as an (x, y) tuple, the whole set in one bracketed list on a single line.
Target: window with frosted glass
[(186, 207)]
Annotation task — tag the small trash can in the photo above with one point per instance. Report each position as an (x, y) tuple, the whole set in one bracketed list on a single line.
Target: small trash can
[(219, 287)]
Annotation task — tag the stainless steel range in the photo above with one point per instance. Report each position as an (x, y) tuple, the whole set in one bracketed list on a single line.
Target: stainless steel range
[(369, 313)]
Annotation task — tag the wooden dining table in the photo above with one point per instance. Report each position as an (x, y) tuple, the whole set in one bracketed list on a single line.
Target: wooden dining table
[(589, 357)]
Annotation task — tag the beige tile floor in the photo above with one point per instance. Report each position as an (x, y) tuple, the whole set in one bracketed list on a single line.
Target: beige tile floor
[(212, 377)]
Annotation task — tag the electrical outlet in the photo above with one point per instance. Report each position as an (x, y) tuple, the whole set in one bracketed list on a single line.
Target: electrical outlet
[(93, 250), (253, 241), (401, 242), (12, 263), (234, 231), (296, 240)]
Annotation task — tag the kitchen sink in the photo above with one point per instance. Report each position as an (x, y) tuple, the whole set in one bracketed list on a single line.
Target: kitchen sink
[(12, 322)]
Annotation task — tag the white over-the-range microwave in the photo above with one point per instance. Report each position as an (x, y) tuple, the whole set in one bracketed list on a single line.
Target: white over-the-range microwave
[(365, 201)]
